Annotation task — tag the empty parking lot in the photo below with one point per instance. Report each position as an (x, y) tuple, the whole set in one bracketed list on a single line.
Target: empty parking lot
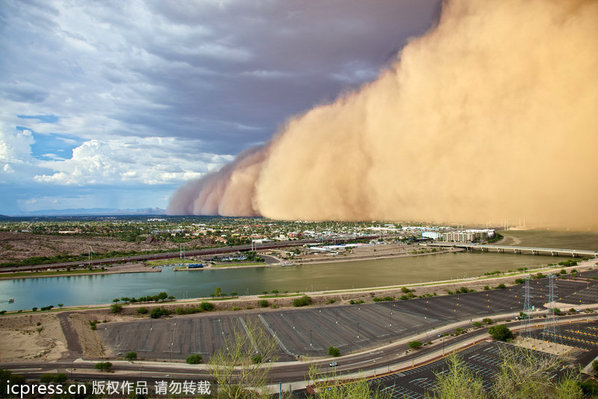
[(310, 331)]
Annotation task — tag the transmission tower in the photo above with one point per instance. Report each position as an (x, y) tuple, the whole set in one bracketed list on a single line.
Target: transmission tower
[(526, 317), (550, 333)]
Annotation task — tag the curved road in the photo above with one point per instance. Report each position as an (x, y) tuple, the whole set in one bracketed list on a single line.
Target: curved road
[(375, 358)]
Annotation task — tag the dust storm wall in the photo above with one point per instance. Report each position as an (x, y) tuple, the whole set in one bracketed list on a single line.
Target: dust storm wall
[(492, 115)]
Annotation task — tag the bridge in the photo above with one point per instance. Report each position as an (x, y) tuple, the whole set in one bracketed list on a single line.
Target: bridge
[(574, 253)]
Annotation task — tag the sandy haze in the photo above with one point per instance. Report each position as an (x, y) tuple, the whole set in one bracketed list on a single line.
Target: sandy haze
[(489, 117)]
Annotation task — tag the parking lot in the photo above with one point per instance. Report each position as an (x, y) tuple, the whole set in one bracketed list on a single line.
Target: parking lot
[(310, 331), (483, 360), (577, 335)]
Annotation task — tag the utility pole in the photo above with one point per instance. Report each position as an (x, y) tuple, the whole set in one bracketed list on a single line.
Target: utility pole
[(550, 326), (526, 317)]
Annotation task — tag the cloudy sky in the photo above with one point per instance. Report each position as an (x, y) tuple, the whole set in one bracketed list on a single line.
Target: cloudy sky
[(113, 104)]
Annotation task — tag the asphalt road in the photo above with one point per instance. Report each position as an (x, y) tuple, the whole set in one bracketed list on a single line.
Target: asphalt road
[(375, 358)]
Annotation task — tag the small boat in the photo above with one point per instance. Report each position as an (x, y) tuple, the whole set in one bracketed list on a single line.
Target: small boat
[(11, 300)]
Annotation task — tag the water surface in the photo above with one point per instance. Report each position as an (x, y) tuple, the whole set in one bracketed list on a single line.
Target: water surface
[(98, 289)]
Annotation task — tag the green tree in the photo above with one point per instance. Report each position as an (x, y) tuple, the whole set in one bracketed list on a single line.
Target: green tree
[(156, 313), (194, 358), (303, 301), (326, 387), (523, 374), (334, 351), (458, 383), (130, 356), (500, 332), (237, 374), (5, 377), (257, 358), (415, 344), (116, 308), (103, 366)]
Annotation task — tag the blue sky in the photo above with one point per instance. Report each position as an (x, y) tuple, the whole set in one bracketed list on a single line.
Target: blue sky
[(114, 104)]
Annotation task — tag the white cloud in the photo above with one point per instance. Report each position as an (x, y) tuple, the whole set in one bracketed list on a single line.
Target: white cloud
[(149, 160), (15, 145), (16, 162)]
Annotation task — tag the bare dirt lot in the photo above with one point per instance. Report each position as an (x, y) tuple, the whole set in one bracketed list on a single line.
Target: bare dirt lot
[(32, 336), (17, 246)]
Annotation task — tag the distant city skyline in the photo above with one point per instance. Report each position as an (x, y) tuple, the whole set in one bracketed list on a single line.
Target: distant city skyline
[(113, 105)]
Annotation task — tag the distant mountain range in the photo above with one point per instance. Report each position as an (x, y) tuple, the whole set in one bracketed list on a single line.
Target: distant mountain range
[(92, 211)]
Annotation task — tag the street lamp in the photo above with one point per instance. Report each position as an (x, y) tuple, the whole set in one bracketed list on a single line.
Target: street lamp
[(442, 339)]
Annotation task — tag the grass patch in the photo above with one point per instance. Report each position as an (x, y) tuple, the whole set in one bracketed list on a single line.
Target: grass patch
[(174, 261), (241, 264)]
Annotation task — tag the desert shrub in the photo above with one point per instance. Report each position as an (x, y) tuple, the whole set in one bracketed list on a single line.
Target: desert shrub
[(103, 366), (303, 301), (334, 351), (194, 358), (156, 313), (415, 344), (116, 308)]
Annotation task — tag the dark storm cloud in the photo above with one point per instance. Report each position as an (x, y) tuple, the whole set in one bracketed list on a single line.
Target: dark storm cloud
[(225, 73), (298, 54), (197, 81)]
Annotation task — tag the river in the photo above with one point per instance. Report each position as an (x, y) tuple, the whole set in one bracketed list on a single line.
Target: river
[(98, 289)]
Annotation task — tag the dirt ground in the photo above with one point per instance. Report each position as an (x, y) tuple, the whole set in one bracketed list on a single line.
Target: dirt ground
[(24, 339), (18, 246), (20, 339)]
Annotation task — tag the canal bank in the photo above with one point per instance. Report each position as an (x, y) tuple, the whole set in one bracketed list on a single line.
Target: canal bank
[(101, 289)]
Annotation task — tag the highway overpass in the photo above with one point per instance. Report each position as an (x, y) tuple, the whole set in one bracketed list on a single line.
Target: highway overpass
[(574, 253)]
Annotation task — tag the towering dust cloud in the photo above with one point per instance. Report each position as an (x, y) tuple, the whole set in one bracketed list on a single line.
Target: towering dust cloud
[(490, 116)]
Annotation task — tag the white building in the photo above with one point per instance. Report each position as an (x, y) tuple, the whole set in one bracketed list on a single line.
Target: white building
[(434, 235), (467, 235)]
